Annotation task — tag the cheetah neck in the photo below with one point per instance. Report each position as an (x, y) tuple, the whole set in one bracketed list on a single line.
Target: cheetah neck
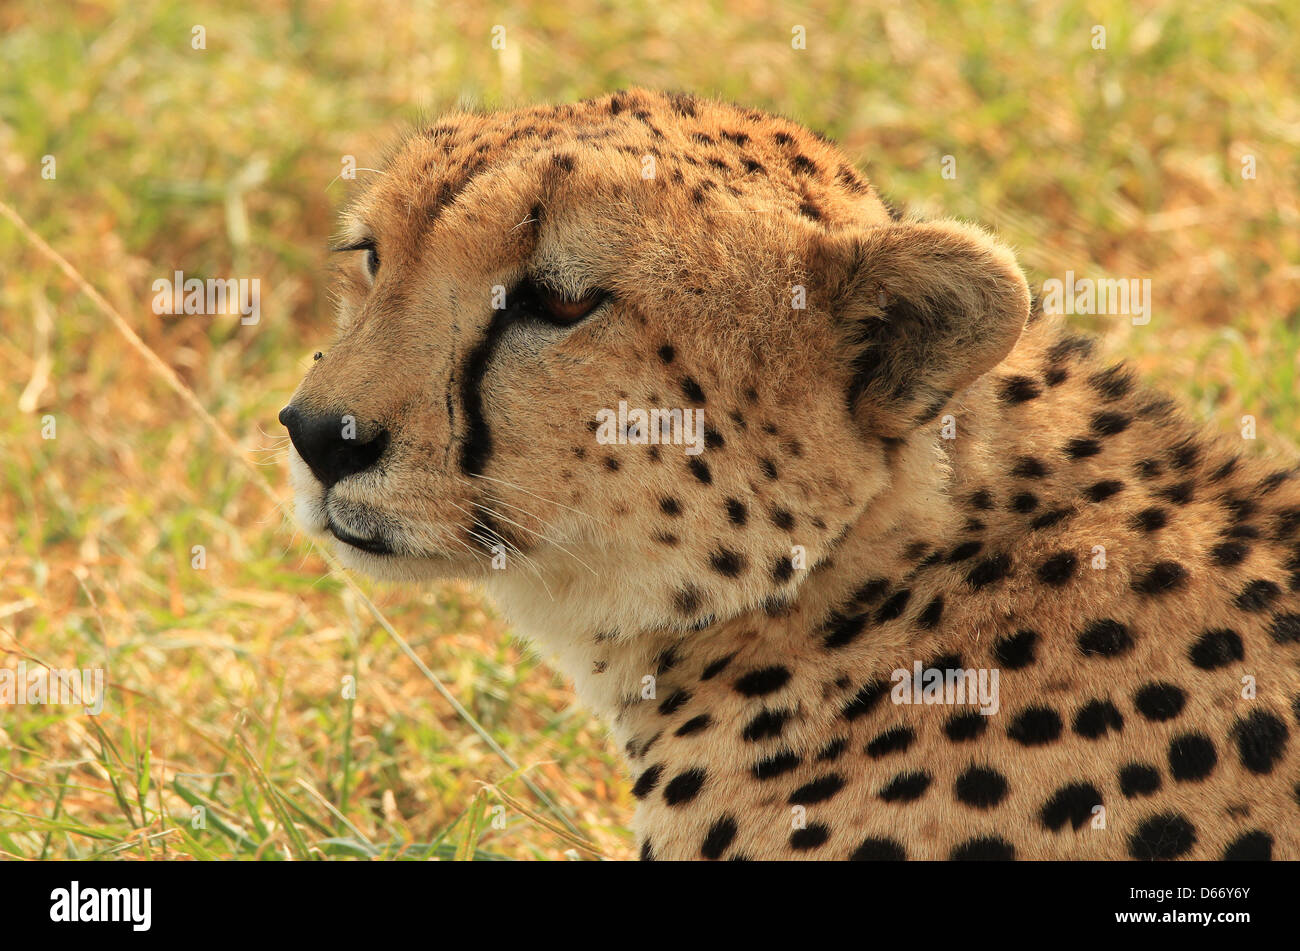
[(941, 529)]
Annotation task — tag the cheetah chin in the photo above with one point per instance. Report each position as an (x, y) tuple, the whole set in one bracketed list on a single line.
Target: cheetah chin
[(911, 491)]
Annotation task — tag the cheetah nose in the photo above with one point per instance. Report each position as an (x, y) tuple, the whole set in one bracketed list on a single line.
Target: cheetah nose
[(331, 445)]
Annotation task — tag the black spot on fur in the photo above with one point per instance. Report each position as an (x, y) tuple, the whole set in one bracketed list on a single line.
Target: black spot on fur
[(1035, 726), (964, 550), (1191, 757), (1058, 569), (687, 600), (776, 765), (1096, 718), (1159, 701), (1112, 383), (1286, 524), (809, 210), (1081, 447), (1180, 493), (965, 726), (1166, 836), (1257, 595), (1138, 779), (694, 725), (865, 699), (1100, 491), (906, 787), (1254, 846), (700, 469), (833, 750), (1286, 629), (683, 104), (1066, 347), (989, 570), (691, 390), (766, 725), (982, 499), (1072, 803), (872, 591), (1217, 648), (1027, 467), (894, 606), (879, 850), (1225, 470), (1151, 519), (1160, 578), (842, 629), (819, 790), (930, 616), (1109, 424), (717, 667), (984, 849), (674, 702), (727, 562), (814, 836), (1019, 389), (1024, 502), (1261, 739), (980, 787), (803, 165), (684, 787), (647, 781), (666, 661), (894, 740), (782, 519), (1049, 518), (765, 680), (1015, 651), (721, 833), (1107, 637)]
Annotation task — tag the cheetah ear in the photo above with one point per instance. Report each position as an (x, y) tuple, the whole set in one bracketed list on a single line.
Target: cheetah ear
[(927, 309)]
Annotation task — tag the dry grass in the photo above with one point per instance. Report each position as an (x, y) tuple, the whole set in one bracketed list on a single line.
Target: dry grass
[(227, 684)]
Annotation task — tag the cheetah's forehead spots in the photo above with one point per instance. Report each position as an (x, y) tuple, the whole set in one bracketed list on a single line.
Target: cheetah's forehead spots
[(713, 153)]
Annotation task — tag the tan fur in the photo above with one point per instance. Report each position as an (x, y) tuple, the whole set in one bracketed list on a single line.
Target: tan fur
[(625, 567)]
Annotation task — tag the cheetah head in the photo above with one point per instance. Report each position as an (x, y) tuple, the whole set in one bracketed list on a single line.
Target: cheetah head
[(520, 284)]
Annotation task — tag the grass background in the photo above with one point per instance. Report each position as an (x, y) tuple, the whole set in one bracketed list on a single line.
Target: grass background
[(227, 683)]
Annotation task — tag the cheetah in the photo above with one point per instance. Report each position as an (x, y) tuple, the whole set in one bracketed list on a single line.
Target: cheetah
[(928, 579)]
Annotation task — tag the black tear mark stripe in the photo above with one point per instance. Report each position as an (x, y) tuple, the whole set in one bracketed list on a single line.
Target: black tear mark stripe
[(476, 447)]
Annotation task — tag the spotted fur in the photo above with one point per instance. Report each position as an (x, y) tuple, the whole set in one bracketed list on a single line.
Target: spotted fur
[(736, 617)]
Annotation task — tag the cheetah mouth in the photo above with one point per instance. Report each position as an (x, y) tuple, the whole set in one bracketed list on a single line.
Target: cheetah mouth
[(374, 546)]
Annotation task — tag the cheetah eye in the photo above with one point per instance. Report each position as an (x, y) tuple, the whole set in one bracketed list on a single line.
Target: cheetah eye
[(370, 263), (562, 310)]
